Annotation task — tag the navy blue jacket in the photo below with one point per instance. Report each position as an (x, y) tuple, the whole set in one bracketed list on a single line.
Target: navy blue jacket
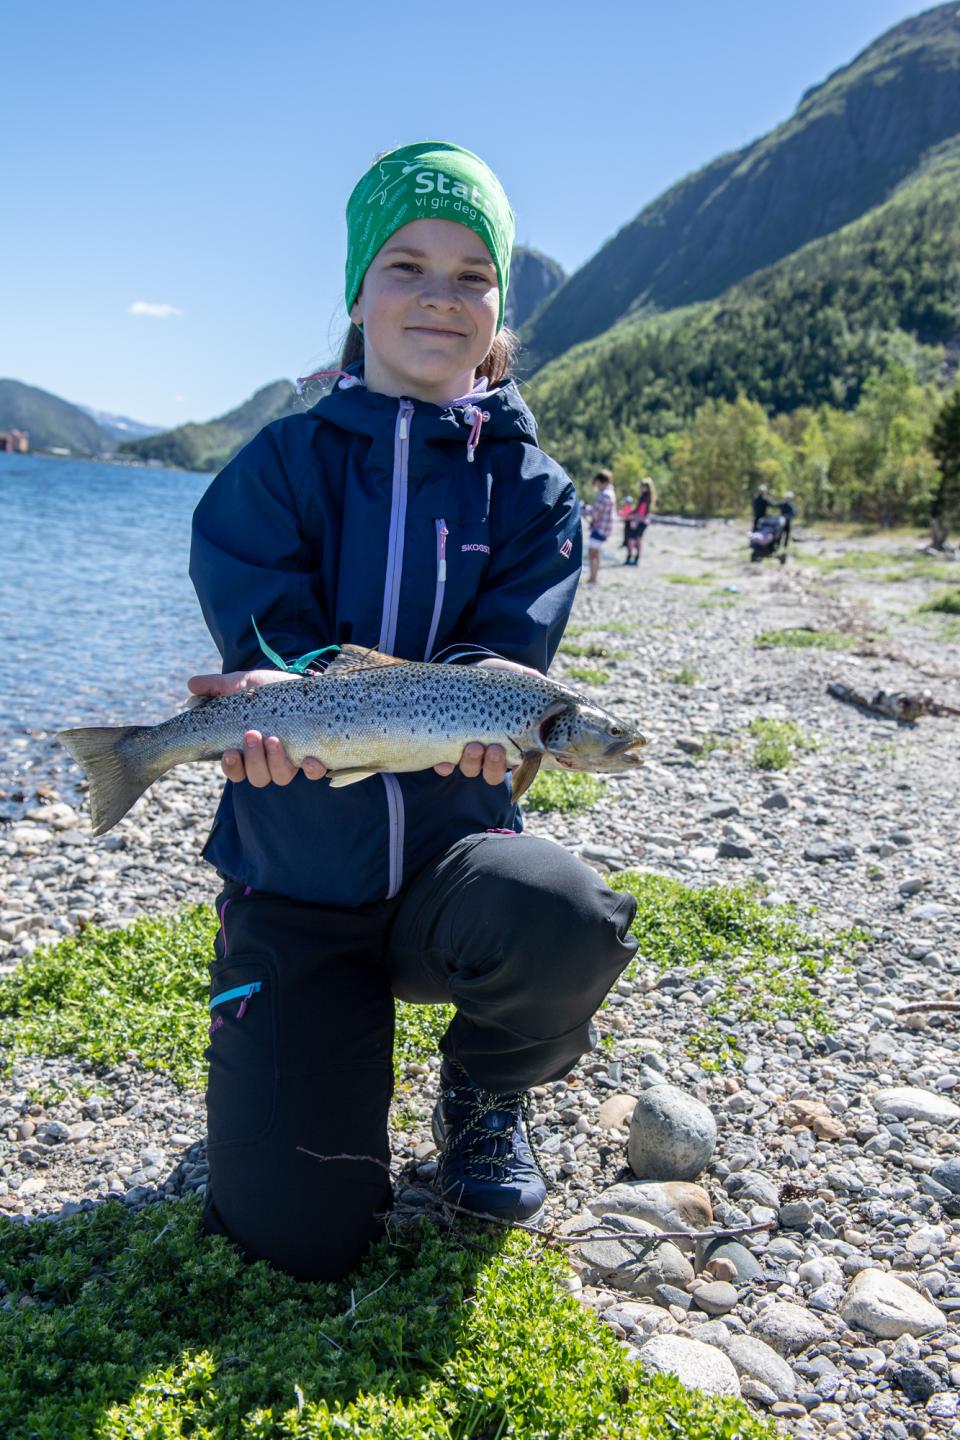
[(363, 520)]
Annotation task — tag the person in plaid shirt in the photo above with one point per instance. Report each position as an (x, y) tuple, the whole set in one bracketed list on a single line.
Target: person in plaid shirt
[(601, 515)]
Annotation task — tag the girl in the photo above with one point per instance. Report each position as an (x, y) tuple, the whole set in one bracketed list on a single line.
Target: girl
[(638, 520), (409, 510)]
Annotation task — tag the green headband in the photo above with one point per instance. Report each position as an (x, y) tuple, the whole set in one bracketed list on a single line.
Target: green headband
[(431, 180)]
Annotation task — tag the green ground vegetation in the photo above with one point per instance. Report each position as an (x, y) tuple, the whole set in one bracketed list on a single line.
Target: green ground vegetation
[(120, 1326), (800, 639), (607, 627), (570, 791), (686, 675), (765, 965), (777, 743), (142, 993), (946, 603), (592, 649), (680, 579), (588, 674)]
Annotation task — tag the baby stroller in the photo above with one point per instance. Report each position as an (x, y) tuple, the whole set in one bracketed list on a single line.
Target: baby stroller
[(768, 538)]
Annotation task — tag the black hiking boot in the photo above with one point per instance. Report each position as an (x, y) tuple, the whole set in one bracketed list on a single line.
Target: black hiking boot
[(485, 1164)]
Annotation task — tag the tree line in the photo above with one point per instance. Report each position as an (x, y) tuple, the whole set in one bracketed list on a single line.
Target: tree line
[(893, 459)]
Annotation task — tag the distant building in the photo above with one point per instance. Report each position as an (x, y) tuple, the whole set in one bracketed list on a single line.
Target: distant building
[(15, 440)]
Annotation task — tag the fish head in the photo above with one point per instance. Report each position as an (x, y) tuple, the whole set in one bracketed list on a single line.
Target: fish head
[(582, 736)]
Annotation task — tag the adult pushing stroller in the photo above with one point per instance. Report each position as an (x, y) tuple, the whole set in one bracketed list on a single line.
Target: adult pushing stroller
[(769, 537)]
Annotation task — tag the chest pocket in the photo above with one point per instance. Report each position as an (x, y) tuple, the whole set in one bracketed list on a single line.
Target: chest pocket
[(448, 535)]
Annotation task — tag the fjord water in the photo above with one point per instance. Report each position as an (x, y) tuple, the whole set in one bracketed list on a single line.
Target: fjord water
[(98, 620)]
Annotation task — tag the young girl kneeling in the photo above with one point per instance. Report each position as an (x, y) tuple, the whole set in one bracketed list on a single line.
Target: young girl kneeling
[(409, 510)]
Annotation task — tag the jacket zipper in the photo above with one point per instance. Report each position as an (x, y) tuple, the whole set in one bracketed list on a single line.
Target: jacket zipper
[(388, 624), (442, 533)]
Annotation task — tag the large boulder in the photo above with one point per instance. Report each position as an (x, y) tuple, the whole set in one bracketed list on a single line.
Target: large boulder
[(698, 1366), (883, 1306)]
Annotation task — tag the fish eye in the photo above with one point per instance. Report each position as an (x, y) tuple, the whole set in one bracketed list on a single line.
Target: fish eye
[(616, 731)]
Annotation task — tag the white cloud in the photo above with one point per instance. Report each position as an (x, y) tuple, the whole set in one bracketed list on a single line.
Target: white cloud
[(157, 312)]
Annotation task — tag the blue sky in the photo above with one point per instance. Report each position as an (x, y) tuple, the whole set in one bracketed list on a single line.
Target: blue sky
[(197, 156)]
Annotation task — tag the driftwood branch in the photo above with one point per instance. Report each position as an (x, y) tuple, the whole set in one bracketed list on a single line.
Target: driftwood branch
[(326, 1159), (951, 1006)]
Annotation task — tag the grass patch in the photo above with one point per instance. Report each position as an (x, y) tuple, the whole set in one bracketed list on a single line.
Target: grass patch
[(718, 600), (804, 639), (593, 649), (588, 674), (142, 993), (777, 743), (924, 567), (946, 603), (566, 790), (765, 965), (119, 1325), (686, 675), (850, 560), (678, 579)]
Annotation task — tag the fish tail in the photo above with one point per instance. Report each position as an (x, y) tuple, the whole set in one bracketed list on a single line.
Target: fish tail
[(117, 772)]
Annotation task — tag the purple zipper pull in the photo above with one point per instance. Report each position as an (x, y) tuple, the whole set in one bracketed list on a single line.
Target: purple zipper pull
[(244, 1002), (215, 1024), (442, 565)]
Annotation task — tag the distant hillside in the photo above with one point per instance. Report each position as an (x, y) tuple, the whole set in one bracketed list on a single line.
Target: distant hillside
[(50, 421), (209, 446), (533, 278), (120, 427), (804, 331), (851, 141)]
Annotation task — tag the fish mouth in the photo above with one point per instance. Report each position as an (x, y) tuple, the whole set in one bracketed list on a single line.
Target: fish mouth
[(622, 754)]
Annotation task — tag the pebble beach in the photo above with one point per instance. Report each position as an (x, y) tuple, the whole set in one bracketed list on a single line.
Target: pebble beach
[(830, 1159)]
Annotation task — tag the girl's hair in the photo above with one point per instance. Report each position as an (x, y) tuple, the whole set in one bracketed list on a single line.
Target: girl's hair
[(647, 484), (495, 367)]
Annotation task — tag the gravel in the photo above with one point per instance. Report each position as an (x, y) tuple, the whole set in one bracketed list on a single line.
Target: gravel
[(825, 1173)]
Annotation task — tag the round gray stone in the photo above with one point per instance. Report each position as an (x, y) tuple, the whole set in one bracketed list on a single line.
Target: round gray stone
[(699, 1367), (672, 1135)]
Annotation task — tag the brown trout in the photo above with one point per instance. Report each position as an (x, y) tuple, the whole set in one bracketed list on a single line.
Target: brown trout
[(365, 713)]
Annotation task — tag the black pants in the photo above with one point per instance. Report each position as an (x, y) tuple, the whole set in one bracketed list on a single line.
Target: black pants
[(524, 939)]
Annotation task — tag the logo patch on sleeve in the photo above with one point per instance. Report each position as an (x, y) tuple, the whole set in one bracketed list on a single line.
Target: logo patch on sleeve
[(566, 549)]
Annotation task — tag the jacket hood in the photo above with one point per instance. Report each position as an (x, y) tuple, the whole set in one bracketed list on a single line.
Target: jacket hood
[(352, 407)]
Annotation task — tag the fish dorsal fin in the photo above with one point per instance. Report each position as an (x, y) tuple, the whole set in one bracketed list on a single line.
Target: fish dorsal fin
[(354, 658)]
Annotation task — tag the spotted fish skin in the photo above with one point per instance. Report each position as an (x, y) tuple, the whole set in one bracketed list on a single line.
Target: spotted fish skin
[(366, 713)]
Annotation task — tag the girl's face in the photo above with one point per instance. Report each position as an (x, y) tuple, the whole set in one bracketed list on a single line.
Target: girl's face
[(429, 306)]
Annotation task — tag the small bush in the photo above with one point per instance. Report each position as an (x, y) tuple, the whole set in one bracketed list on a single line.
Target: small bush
[(686, 675), (565, 790), (778, 743), (946, 603)]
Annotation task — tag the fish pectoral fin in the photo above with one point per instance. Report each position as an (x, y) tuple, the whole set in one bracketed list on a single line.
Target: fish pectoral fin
[(359, 657), (525, 773), (339, 778)]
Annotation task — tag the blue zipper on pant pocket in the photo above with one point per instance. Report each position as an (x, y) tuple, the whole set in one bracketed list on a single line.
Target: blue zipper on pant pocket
[(239, 992)]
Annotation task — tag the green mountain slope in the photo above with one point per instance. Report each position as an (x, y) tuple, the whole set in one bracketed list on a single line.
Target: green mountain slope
[(850, 142), (49, 420), (209, 446), (804, 331)]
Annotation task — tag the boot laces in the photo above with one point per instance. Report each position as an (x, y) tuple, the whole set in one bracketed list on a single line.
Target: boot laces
[(486, 1150)]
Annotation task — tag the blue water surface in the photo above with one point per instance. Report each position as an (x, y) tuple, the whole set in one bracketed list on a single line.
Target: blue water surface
[(98, 620)]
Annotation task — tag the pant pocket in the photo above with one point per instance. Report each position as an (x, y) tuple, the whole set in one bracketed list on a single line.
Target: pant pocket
[(242, 1053)]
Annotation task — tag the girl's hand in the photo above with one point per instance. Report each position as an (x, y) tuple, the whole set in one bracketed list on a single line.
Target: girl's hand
[(490, 761), (263, 761)]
